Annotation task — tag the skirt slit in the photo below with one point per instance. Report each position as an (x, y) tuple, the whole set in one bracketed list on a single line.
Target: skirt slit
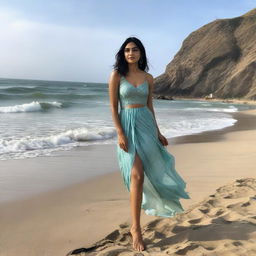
[(162, 186)]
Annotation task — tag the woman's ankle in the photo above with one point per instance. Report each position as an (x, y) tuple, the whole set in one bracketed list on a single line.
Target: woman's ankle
[(135, 228)]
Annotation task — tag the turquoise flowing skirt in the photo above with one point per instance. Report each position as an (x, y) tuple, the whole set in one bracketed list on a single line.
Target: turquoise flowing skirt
[(163, 186)]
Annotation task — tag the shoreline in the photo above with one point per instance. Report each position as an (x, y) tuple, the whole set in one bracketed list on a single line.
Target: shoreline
[(60, 179), (55, 222), (227, 100), (244, 122)]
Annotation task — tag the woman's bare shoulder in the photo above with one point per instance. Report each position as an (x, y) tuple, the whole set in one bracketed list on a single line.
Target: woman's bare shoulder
[(149, 77), (115, 76)]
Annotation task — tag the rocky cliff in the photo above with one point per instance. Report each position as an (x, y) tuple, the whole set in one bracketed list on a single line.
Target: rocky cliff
[(218, 58)]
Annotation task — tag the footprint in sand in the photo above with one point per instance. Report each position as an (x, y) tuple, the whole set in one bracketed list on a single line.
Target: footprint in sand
[(195, 221), (230, 196), (221, 220), (184, 251), (204, 209), (200, 249), (237, 243), (246, 204)]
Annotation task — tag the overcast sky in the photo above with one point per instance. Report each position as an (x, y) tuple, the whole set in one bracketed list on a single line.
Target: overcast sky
[(76, 40)]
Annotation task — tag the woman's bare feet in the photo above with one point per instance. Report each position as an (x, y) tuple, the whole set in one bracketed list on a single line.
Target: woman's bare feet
[(137, 240)]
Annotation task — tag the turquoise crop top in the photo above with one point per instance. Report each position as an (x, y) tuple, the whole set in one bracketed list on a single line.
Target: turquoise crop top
[(129, 94)]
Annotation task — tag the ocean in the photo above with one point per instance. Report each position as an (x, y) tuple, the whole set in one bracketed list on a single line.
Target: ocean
[(39, 118)]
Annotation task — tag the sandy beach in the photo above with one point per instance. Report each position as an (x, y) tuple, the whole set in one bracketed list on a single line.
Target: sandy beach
[(216, 220)]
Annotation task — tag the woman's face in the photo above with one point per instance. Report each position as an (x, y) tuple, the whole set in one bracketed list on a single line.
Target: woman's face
[(131, 53)]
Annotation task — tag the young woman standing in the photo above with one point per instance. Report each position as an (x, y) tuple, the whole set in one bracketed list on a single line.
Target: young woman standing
[(147, 168)]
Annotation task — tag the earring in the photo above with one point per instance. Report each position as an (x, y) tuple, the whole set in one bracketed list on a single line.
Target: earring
[(140, 61)]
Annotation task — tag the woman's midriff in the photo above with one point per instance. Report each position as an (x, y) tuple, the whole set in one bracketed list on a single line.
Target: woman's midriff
[(135, 106)]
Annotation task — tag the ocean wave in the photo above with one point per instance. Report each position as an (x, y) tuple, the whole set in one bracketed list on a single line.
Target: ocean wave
[(188, 127), (63, 96), (34, 89), (34, 106), (58, 96), (18, 89), (3, 87), (230, 109), (70, 138)]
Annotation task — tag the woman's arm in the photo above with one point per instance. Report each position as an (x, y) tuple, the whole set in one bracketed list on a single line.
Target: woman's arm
[(113, 85), (163, 140), (150, 96)]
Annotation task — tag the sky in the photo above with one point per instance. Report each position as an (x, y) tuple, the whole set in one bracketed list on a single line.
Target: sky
[(76, 40)]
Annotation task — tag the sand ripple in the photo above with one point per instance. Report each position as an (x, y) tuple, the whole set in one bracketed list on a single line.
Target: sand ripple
[(223, 224)]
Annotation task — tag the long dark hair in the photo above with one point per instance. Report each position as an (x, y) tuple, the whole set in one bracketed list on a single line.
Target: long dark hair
[(121, 64)]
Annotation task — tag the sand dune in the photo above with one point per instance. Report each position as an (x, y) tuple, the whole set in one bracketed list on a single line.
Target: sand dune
[(222, 224)]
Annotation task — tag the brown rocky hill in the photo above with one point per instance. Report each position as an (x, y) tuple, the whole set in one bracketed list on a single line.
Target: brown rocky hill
[(218, 58)]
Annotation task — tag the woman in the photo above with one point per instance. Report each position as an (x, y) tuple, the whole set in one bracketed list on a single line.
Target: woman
[(146, 166)]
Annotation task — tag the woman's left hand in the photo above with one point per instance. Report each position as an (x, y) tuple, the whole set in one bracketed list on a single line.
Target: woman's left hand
[(163, 140)]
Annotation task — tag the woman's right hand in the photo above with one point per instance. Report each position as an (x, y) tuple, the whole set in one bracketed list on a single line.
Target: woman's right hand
[(123, 142)]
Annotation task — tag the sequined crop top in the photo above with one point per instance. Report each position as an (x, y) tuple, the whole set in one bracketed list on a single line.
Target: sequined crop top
[(129, 94)]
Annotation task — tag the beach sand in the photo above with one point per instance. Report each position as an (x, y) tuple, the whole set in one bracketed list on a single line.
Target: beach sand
[(218, 222)]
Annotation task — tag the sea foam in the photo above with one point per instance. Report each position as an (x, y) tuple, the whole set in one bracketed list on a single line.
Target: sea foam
[(64, 140), (230, 109), (34, 106)]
